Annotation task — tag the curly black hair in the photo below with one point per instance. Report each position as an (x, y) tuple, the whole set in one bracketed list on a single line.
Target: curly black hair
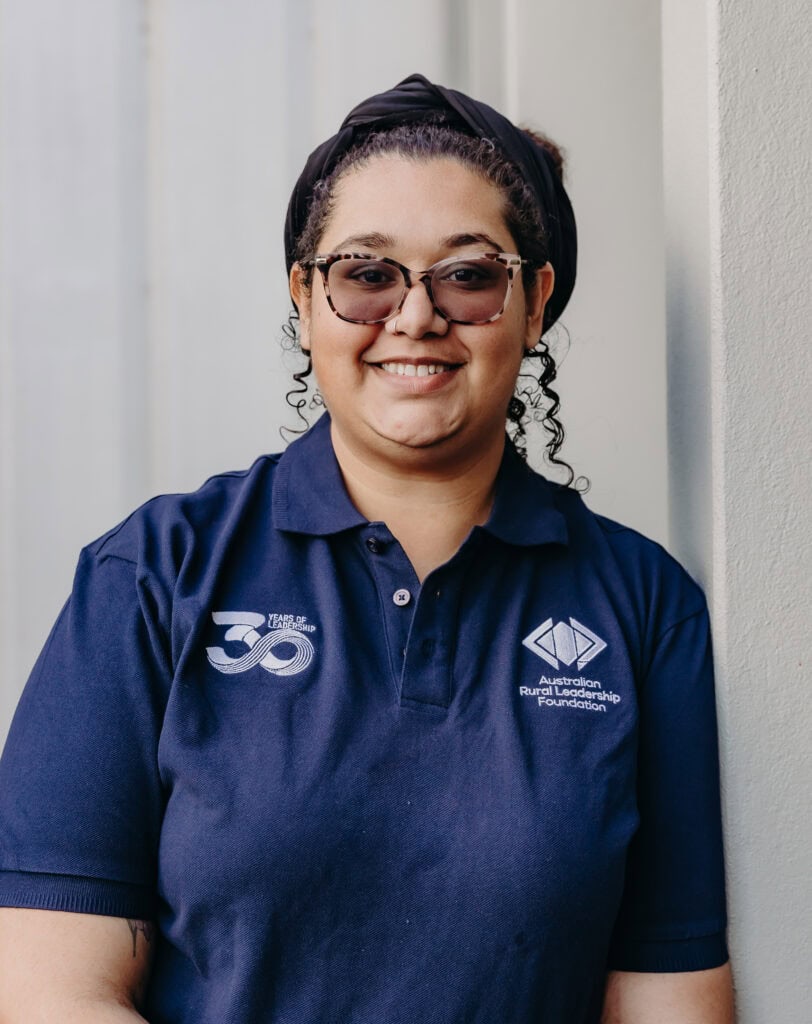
[(434, 138)]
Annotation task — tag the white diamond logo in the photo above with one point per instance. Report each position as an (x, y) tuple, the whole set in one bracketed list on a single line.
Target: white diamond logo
[(564, 644)]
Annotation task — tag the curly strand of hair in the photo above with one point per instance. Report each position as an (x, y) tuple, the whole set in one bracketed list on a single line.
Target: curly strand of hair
[(517, 414), (517, 411), (300, 387), (551, 422), (290, 331)]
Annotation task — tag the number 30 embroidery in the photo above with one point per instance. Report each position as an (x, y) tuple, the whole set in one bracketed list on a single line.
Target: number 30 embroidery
[(260, 646)]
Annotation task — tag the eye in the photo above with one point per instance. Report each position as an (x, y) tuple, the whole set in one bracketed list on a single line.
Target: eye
[(464, 275), (368, 274), (470, 275)]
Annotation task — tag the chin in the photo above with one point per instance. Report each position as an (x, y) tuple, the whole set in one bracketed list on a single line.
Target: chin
[(416, 435), (416, 439)]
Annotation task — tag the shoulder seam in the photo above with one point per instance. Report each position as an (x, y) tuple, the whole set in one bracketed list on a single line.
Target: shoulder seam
[(679, 622), (228, 474), (117, 558), (664, 634)]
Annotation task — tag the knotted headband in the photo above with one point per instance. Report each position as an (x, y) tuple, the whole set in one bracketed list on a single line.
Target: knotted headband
[(413, 99)]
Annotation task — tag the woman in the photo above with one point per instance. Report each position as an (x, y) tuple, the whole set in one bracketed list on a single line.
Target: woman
[(387, 728)]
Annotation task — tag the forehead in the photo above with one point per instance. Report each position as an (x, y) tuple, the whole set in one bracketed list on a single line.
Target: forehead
[(416, 203)]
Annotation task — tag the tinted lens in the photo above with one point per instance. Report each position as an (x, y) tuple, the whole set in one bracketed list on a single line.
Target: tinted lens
[(471, 290), (365, 290)]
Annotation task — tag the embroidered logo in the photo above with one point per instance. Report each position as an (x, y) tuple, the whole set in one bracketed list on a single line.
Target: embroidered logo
[(284, 631), (563, 644)]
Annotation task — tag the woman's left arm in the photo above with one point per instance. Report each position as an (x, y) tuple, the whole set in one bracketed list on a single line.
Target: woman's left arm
[(687, 997)]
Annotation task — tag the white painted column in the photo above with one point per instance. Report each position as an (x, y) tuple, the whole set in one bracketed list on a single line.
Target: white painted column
[(737, 82)]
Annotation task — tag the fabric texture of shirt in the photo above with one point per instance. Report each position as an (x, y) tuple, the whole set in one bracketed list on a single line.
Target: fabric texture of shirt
[(347, 798)]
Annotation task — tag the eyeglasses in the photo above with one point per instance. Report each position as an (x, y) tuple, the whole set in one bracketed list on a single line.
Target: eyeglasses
[(365, 289)]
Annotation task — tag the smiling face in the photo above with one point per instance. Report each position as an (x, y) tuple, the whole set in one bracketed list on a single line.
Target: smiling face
[(417, 388)]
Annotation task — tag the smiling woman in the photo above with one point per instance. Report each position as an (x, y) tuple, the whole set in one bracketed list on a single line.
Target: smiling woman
[(343, 762)]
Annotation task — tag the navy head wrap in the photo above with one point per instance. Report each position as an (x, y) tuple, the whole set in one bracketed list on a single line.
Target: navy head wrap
[(411, 101)]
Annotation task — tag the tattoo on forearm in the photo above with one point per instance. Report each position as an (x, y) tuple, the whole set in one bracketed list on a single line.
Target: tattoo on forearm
[(146, 928)]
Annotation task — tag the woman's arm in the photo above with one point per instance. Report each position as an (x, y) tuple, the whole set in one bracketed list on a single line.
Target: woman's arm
[(60, 968), (691, 997)]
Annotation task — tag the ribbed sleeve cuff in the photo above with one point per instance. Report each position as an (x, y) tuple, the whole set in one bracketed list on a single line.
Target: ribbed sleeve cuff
[(670, 956), (77, 894)]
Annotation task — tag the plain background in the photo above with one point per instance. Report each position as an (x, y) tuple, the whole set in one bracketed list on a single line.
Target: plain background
[(147, 150)]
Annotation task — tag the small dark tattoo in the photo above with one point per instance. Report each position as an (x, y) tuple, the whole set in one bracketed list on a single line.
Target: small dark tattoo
[(146, 928)]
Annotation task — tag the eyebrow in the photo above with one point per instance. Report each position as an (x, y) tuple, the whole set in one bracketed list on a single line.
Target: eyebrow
[(470, 238), (370, 240), (376, 240)]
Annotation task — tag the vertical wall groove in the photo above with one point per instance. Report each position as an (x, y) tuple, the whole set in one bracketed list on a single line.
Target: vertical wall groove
[(9, 549), (133, 281)]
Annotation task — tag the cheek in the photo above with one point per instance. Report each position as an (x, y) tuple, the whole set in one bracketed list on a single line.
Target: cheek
[(316, 319), (337, 348), (325, 326), (508, 347)]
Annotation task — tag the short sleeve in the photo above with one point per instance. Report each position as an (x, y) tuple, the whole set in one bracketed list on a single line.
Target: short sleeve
[(672, 915), (80, 793)]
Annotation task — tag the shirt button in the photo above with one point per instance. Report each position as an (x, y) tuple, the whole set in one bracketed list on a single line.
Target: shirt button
[(374, 545), (401, 598)]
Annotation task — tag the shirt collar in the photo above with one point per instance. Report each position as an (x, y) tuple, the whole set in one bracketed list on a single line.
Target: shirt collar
[(309, 495), (525, 511)]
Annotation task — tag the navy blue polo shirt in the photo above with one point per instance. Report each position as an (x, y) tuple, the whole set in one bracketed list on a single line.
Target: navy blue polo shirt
[(346, 797)]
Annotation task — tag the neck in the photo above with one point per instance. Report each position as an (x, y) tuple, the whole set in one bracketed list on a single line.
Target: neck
[(429, 505)]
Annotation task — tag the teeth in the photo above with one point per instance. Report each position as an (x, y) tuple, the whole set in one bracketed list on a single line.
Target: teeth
[(414, 369)]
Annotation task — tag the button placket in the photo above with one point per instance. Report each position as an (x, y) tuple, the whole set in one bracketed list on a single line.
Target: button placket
[(397, 589), (427, 677), (418, 621)]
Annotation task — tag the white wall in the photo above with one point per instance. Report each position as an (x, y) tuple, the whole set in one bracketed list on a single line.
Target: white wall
[(72, 293), (737, 86)]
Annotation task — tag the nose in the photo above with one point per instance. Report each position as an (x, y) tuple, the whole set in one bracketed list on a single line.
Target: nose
[(418, 317)]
